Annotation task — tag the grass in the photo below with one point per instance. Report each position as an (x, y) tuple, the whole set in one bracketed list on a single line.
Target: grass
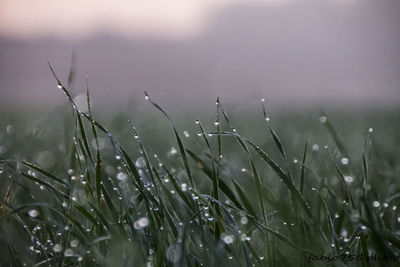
[(89, 197)]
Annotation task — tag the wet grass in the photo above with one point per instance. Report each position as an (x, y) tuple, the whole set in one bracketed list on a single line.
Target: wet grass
[(254, 191)]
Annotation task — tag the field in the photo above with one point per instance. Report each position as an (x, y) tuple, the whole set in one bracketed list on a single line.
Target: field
[(253, 189)]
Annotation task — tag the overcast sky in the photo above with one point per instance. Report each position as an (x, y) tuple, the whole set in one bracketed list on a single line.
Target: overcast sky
[(290, 51), (80, 18)]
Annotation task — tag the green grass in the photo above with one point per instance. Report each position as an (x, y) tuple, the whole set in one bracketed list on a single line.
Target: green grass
[(233, 191)]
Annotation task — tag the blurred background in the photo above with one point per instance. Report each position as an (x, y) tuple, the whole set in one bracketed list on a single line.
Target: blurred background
[(296, 54)]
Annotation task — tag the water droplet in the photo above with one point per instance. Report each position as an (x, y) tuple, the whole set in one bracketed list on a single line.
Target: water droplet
[(70, 171), (57, 247), (33, 213), (216, 123), (228, 239), (184, 187), (344, 161), (315, 147), (363, 227), (394, 208), (261, 258), (323, 119), (68, 252), (141, 162), (243, 170), (121, 176), (244, 237), (141, 223), (385, 205), (267, 119), (59, 86), (186, 134), (74, 243), (197, 121), (244, 220), (370, 130), (117, 157), (146, 97), (262, 99), (376, 204), (172, 152), (295, 161), (348, 179)]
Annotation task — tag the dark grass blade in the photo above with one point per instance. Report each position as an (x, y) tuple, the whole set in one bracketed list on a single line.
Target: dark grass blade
[(222, 185), (244, 199), (303, 173)]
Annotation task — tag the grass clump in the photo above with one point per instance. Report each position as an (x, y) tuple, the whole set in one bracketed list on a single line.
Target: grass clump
[(220, 200)]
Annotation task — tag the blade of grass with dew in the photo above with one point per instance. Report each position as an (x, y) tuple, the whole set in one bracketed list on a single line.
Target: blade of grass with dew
[(256, 178), (98, 175), (178, 189), (49, 186), (45, 173), (178, 140), (217, 171), (277, 141)]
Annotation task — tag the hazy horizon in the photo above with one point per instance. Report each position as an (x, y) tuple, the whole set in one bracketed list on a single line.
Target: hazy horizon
[(294, 53)]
